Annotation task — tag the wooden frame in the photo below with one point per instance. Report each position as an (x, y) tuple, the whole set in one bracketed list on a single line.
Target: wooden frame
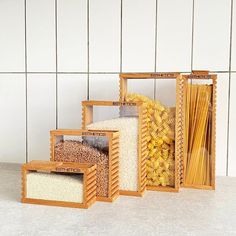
[(113, 142), (124, 77), (204, 75), (87, 118), (89, 181)]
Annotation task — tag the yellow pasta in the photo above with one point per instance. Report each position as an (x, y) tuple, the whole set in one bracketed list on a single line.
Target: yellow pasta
[(161, 141), (197, 134)]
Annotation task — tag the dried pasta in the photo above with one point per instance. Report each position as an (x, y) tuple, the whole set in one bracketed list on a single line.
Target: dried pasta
[(198, 134), (161, 141)]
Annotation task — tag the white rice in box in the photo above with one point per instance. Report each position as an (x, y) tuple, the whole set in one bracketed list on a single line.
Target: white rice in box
[(57, 187), (128, 128)]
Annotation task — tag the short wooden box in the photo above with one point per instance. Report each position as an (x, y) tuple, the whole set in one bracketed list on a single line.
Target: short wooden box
[(87, 171), (201, 78), (112, 144), (124, 77), (87, 118)]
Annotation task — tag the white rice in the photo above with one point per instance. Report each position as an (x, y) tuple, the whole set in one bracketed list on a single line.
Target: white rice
[(57, 187), (128, 127)]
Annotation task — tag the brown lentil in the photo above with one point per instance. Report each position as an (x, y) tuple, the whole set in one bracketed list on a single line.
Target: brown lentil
[(76, 151)]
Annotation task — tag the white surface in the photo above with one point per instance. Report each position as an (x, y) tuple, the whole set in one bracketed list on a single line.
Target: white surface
[(104, 87), (12, 37), (211, 35), (104, 35), (143, 86), (222, 123), (41, 115), (48, 186), (72, 35), (128, 146), (232, 128), (138, 49), (233, 62), (13, 115), (41, 54), (164, 87), (174, 35), (190, 212), (72, 89)]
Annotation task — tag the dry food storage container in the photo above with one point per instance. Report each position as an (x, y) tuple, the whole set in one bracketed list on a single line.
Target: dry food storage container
[(162, 94), (198, 161), (130, 119), (93, 147), (59, 184)]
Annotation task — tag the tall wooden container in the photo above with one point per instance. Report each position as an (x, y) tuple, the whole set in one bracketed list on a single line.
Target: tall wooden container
[(124, 90), (202, 78), (87, 118)]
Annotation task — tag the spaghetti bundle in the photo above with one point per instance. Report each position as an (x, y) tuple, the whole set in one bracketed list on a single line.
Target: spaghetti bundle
[(197, 160), (161, 141)]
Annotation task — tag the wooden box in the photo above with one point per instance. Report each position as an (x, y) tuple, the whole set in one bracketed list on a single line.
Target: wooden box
[(200, 78), (87, 118), (58, 170), (110, 174), (178, 137)]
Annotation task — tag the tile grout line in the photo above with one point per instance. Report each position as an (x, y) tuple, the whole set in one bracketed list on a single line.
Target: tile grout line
[(56, 63), (192, 40), (155, 56), (88, 51), (229, 88), (98, 72), (26, 84)]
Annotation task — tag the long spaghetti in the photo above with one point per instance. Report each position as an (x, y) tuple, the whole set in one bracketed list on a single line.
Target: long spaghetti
[(198, 134)]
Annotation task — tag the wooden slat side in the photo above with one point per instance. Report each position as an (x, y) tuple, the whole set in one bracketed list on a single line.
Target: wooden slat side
[(213, 135), (179, 129)]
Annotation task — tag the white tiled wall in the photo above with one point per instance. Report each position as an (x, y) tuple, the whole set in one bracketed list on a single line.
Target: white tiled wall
[(211, 39), (174, 35), (13, 118), (138, 35), (104, 32), (72, 89), (76, 48), (41, 114), (72, 35), (12, 42), (40, 35)]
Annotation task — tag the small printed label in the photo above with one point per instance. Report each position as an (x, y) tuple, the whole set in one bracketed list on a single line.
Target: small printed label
[(93, 134), (124, 103), (163, 75), (199, 76), (68, 169)]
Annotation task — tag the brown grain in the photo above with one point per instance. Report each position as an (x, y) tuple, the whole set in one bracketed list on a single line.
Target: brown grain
[(75, 151)]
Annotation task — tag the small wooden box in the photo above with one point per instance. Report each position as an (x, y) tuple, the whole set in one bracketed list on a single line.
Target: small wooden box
[(87, 171), (202, 77), (87, 118), (112, 138), (124, 77)]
